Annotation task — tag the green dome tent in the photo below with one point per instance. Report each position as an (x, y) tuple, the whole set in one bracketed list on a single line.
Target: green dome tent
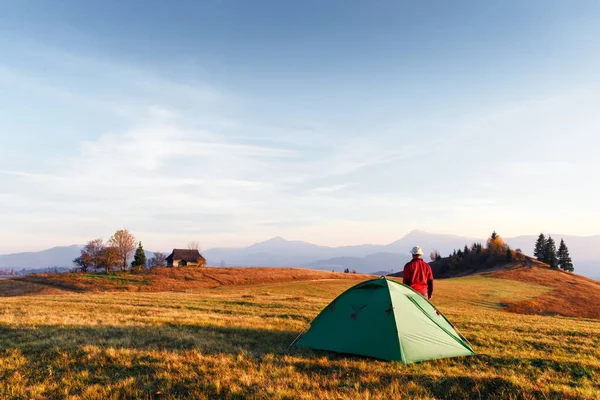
[(385, 319)]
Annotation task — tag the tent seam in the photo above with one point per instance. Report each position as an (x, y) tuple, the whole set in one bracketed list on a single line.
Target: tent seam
[(441, 327), (402, 355)]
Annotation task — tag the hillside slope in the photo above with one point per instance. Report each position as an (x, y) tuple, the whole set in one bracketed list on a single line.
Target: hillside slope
[(161, 279), (572, 295)]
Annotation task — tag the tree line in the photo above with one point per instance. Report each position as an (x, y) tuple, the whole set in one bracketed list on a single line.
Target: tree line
[(116, 252), (545, 251), (497, 252), (477, 256)]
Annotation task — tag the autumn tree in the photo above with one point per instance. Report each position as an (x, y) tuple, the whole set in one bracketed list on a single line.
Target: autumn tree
[(83, 262), (139, 259), (157, 261), (539, 251), (110, 257), (124, 242), (550, 256), (90, 255), (93, 249), (496, 246), (564, 258)]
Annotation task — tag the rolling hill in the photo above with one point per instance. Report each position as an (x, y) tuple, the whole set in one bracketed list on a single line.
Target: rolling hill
[(572, 295), (161, 279), (230, 339)]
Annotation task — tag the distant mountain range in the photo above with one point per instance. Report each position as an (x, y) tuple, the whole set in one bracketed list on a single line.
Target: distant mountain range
[(368, 258)]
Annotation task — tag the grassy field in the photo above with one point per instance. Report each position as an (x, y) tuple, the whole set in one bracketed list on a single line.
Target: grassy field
[(232, 342)]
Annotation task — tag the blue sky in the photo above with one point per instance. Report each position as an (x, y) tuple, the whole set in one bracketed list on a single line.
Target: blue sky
[(336, 122)]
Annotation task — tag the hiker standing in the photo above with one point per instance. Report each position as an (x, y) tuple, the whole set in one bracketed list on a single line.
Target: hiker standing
[(417, 274)]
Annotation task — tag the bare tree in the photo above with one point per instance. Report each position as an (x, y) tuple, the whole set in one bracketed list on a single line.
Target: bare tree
[(159, 260), (194, 245), (125, 243)]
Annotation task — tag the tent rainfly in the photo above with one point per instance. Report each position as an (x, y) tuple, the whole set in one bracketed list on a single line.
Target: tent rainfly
[(385, 319)]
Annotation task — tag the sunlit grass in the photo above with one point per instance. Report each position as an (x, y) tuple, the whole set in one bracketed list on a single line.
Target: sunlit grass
[(232, 342)]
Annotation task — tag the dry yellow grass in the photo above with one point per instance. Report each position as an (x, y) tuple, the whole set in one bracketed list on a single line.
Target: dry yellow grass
[(161, 279), (571, 295), (232, 342)]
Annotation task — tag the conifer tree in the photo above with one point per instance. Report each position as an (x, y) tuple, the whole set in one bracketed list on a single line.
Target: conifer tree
[(564, 259), (550, 256), (509, 255), (139, 259), (539, 251), (466, 250)]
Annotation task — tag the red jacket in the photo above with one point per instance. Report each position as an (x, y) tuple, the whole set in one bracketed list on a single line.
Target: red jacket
[(418, 275)]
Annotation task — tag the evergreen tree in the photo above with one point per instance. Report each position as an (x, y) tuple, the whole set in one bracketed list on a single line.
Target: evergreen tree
[(564, 259), (139, 259), (466, 250), (509, 255), (479, 248), (550, 256), (539, 251)]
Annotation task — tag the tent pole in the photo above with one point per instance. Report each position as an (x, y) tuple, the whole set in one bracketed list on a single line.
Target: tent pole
[(463, 337), (298, 337)]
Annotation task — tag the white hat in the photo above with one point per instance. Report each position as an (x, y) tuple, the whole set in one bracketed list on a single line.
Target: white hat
[(417, 251)]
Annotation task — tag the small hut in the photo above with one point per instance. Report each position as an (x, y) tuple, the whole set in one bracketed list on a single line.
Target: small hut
[(185, 258)]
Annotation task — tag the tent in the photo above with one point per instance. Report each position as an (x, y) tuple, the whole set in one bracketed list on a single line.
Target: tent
[(384, 319)]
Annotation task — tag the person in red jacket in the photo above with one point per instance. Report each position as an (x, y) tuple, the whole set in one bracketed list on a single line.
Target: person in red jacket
[(418, 275)]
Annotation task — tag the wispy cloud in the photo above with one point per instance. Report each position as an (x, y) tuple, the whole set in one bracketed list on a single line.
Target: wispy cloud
[(182, 158)]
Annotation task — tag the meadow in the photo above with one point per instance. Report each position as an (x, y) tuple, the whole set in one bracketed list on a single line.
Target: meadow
[(232, 342)]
